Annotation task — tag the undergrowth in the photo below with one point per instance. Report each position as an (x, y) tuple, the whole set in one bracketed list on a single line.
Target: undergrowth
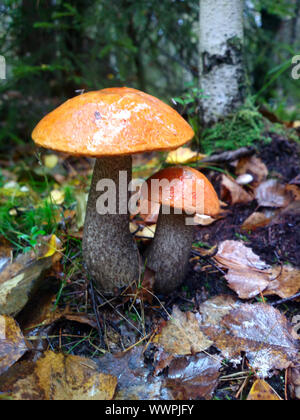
[(244, 128)]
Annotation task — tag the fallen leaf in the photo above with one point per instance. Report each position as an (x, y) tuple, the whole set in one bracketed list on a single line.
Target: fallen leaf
[(258, 220), (12, 343), (57, 197), (213, 310), (193, 377), (22, 277), (135, 378), (272, 194), (183, 155), (247, 274), (262, 391), (50, 161), (286, 283), (254, 166), (146, 232), (245, 179), (294, 191), (181, 335), (261, 332), (54, 246), (56, 377), (81, 200), (233, 192)]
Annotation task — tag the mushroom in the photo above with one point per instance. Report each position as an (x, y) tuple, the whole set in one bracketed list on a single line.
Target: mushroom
[(111, 125), (180, 191)]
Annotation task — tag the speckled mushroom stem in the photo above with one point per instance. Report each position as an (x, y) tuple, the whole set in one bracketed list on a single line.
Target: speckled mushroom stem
[(169, 251), (110, 253)]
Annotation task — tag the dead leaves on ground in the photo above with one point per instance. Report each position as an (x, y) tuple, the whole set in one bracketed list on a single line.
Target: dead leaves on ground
[(249, 276), (262, 391), (12, 343), (58, 377), (260, 331), (22, 277)]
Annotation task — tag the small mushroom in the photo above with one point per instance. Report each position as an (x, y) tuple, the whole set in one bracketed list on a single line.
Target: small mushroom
[(111, 125), (184, 192)]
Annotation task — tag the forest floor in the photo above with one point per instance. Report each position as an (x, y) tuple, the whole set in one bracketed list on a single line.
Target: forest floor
[(229, 332)]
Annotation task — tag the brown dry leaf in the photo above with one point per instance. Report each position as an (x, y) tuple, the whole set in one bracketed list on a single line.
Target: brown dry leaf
[(12, 343), (294, 190), (262, 391), (58, 377), (203, 220), (193, 377), (247, 274), (254, 166), (181, 335), (24, 275), (258, 220), (294, 382), (272, 194), (260, 331), (233, 192), (286, 283)]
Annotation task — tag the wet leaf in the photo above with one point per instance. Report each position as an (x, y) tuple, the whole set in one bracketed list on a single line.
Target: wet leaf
[(247, 274), (193, 377), (272, 194), (58, 377), (260, 331), (262, 391), (54, 246), (213, 310), (135, 379), (181, 335), (231, 191), (12, 343), (22, 277), (286, 283)]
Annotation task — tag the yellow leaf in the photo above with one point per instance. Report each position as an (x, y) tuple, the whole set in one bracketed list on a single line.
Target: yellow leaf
[(183, 155), (57, 197), (53, 246), (262, 391), (50, 161)]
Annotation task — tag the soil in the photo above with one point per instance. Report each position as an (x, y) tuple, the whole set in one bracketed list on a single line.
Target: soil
[(279, 242)]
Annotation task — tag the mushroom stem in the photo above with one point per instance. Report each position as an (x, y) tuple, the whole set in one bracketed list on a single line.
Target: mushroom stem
[(169, 251), (110, 253)]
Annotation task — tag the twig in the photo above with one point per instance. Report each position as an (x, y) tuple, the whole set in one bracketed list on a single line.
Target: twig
[(280, 302), (230, 156)]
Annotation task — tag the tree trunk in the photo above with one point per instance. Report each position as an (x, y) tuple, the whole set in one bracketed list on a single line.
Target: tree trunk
[(222, 76)]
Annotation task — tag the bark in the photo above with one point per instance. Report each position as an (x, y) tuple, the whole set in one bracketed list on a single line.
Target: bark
[(168, 254), (110, 253), (222, 76)]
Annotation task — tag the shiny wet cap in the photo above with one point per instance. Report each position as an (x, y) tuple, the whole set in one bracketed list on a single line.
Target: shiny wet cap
[(111, 122)]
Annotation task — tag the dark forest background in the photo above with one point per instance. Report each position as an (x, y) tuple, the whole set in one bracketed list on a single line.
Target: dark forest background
[(54, 48)]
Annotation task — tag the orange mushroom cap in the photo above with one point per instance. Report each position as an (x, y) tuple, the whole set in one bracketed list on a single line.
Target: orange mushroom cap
[(109, 122), (189, 190)]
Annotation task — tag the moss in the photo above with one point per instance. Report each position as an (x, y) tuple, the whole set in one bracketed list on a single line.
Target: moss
[(244, 128)]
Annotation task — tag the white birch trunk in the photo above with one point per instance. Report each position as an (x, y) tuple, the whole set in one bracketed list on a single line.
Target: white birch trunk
[(222, 76)]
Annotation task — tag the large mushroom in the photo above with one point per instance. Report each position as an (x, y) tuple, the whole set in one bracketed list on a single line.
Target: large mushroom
[(111, 125), (181, 193)]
